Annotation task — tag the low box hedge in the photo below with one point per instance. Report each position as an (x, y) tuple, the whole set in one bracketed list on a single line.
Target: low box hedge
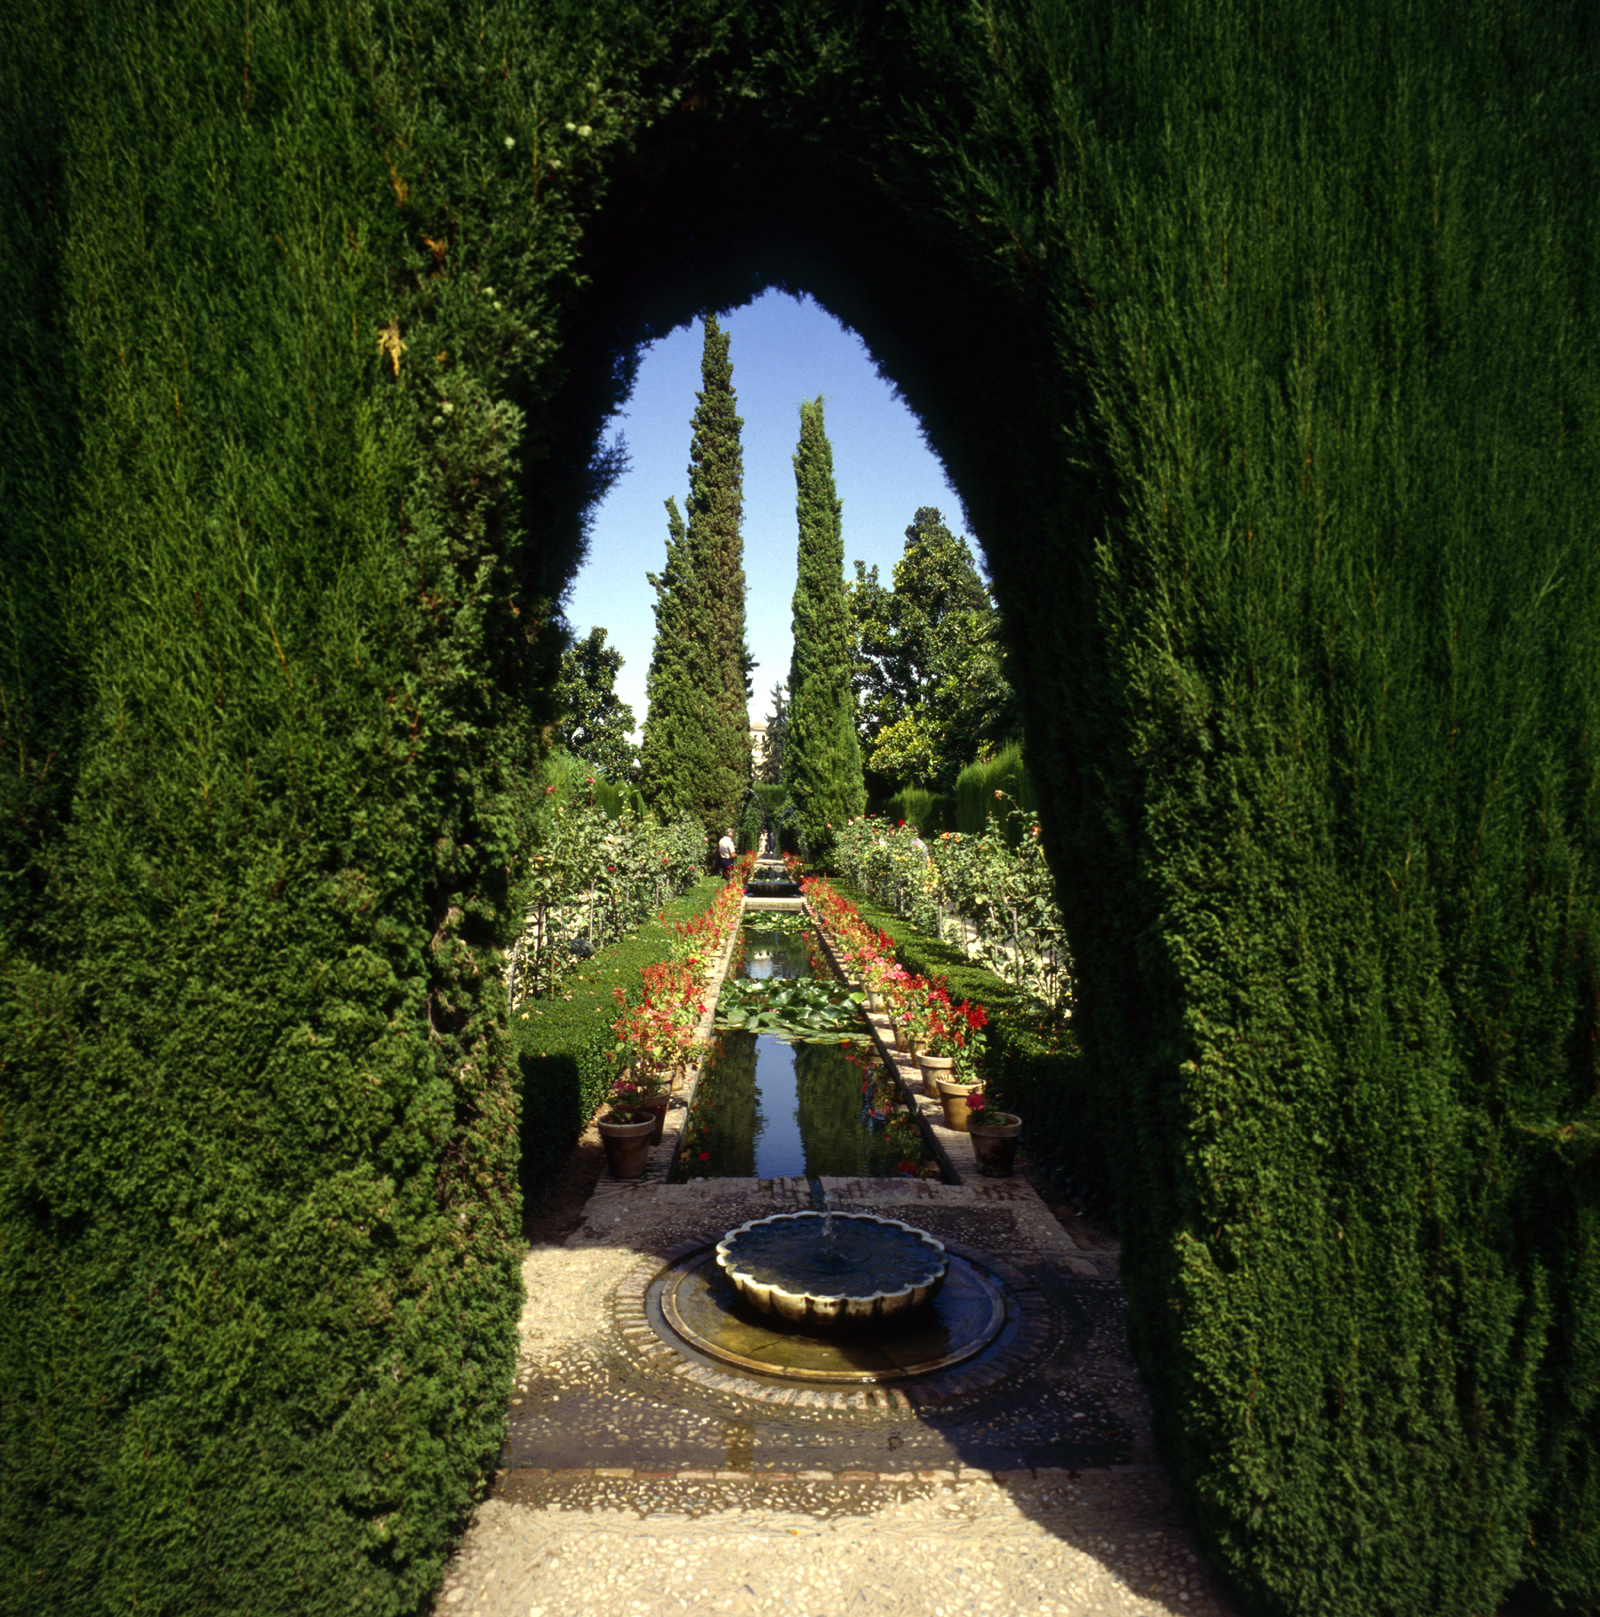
[(561, 1043), (1040, 1070)]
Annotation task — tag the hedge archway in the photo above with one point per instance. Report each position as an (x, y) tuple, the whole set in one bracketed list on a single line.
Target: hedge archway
[(1260, 347)]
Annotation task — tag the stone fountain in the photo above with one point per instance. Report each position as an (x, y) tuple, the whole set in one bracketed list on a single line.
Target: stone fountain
[(827, 1272)]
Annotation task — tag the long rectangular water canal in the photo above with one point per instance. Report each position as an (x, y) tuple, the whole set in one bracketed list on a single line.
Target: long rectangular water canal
[(767, 1107)]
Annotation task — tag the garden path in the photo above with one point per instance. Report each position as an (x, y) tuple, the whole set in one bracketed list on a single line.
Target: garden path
[(636, 1479), (632, 1482)]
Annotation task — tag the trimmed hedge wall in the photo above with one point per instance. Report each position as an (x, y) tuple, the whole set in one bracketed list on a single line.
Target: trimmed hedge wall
[(1038, 1072), (562, 1044), (975, 789), (1272, 399), (930, 812)]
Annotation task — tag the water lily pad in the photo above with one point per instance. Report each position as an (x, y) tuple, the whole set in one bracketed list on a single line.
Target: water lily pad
[(791, 1008)]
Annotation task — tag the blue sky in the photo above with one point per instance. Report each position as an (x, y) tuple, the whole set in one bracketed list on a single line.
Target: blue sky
[(783, 351)]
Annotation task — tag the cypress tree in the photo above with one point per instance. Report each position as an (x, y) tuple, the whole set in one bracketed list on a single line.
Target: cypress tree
[(1298, 554), (670, 758), (718, 741), (822, 757), (777, 737)]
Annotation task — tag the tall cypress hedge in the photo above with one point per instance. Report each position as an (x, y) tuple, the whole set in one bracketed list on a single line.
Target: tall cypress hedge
[(1260, 342)]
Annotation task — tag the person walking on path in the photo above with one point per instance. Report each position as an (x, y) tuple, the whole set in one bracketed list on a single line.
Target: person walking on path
[(725, 853)]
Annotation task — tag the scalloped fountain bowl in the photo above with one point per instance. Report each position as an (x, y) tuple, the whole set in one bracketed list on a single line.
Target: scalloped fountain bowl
[(833, 1271)]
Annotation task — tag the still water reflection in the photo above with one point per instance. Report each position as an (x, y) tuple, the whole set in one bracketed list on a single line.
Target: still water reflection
[(769, 1109)]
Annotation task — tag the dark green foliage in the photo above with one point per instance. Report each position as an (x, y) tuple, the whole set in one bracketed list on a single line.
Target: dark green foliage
[(672, 756), (562, 1044), (695, 758), (1261, 344), (975, 799), (931, 665), (821, 755), (771, 770), (716, 548), (259, 1197), (596, 723), (929, 812)]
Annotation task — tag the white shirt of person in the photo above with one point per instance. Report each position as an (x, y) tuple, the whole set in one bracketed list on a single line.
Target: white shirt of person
[(725, 848)]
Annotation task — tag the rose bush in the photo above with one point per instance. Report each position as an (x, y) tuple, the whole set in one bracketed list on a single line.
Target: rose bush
[(1004, 895), (593, 880)]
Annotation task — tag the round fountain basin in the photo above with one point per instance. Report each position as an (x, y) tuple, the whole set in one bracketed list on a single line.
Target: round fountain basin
[(866, 1270)]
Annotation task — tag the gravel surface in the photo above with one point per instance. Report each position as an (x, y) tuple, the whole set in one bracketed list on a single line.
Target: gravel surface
[(716, 1507), (939, 1549)]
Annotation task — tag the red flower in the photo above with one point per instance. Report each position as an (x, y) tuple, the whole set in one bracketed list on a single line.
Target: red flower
[(705, 1156)]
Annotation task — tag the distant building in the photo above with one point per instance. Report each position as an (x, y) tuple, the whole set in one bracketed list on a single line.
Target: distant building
[(758, 746)]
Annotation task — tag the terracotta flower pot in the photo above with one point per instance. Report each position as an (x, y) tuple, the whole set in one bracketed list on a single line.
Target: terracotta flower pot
[(933, 1069), (627, 1146), (954, 1099), (657, 1105), (995, 1145)]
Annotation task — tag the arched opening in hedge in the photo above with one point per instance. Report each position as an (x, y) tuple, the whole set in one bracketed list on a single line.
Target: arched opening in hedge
[(1260, 346)]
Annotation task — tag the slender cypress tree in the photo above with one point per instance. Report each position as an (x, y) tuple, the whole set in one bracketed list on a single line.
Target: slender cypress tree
[(822, 756), (720, 743), (777, 737), (669, 756)]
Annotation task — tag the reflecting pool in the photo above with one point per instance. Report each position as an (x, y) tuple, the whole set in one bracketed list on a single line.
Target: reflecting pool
[(768, 1108)]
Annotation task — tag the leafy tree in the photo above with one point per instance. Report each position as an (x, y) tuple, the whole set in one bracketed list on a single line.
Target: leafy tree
[(777, 737), (596, 722), (669, 756), (930, 675), (822, 756)]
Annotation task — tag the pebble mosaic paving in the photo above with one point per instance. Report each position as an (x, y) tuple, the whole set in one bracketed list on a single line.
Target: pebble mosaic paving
[(636, 1478)]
